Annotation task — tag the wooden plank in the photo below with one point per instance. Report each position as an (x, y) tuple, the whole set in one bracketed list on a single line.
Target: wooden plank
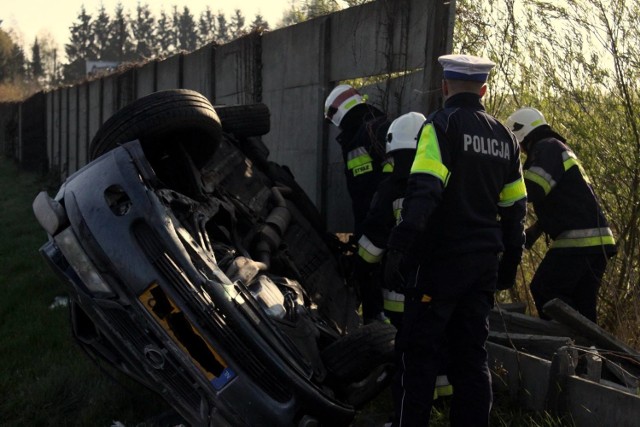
[(595, 405), (524, 377), (543, 346), (563, 313)]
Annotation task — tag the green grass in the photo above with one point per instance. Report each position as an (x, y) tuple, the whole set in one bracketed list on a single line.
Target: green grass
[(45, 378)]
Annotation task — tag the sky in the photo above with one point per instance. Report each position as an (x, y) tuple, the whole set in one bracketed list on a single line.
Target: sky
[(29, 19)]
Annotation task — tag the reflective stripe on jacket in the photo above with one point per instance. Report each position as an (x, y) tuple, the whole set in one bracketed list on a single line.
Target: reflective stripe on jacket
[(563, 198)]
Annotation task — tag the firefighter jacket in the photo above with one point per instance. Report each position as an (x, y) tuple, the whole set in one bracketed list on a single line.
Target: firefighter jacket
[(386, 206), (465, 192), (363, 148), (562, 196), (383, 215)]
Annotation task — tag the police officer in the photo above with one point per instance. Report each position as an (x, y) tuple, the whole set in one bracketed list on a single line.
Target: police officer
[(568, 211), (362, 140), (465, 205)]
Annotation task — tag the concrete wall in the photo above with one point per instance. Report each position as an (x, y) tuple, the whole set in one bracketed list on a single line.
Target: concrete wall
[(392, 43)]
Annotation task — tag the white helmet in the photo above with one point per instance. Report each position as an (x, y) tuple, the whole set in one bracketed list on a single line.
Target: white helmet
[(403, 132), (523, 121), (341, 99)]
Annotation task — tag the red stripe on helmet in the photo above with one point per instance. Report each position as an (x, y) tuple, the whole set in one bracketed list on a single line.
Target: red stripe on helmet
[(343, 97)]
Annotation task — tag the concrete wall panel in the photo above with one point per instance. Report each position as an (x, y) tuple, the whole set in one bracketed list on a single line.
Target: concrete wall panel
[(49, 112), (64, 132), (293, 88), (55, 160), (83, 124), (378, 38), (293, 56), (296, 146), (146, 79), (169, 74), (125, 88), (95, 109), (108, 98), (198, 71), (72, 154), (235, 71)]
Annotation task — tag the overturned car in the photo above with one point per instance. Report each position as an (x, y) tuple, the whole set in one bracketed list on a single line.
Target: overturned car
[(200, 268)]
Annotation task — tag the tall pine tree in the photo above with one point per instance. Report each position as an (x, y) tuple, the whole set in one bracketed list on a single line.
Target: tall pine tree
[(36, 66), (186, 31), (102, 33), (143, 30), (206, 27), (121, 47), (166, 34), (259, 24), (222, 30), (81, 46), (237, 29)]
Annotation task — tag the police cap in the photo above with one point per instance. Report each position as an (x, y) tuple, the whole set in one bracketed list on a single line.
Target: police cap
[(466, 67)]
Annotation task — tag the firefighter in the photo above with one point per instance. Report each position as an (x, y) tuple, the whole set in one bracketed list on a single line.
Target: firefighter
[(460, 238), (362, 141), (386, 206), (402, 139), (568, 211)]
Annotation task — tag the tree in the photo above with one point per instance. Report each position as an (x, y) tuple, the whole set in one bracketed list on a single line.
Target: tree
[(292, 16), (310, 9), (315, 8), (222, 33), (584, 75), (185, 30), (102, 33), (81, 40), (6, 51), (166, 34), (120, 47), (49, 55), (36, 66), (143, 32), (259, 24), (206, 27), (236, 28)]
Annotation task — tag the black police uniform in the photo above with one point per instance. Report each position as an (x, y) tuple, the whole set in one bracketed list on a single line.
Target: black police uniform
[(362, 140), (568, 211), (465, 203)]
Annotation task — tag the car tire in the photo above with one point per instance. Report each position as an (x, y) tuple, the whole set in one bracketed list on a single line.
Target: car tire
[(161, 119), (245, 120), (355, 355)]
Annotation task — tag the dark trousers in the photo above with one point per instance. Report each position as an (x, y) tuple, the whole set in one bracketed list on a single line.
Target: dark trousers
[(575, 279), (456, 318), (371, 294)]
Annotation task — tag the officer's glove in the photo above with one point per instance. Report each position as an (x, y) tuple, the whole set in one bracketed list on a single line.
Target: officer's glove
[(531, 235), (393, 271), (508, 269)]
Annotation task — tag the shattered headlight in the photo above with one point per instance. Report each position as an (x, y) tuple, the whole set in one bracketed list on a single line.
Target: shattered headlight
[(81, 264)]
